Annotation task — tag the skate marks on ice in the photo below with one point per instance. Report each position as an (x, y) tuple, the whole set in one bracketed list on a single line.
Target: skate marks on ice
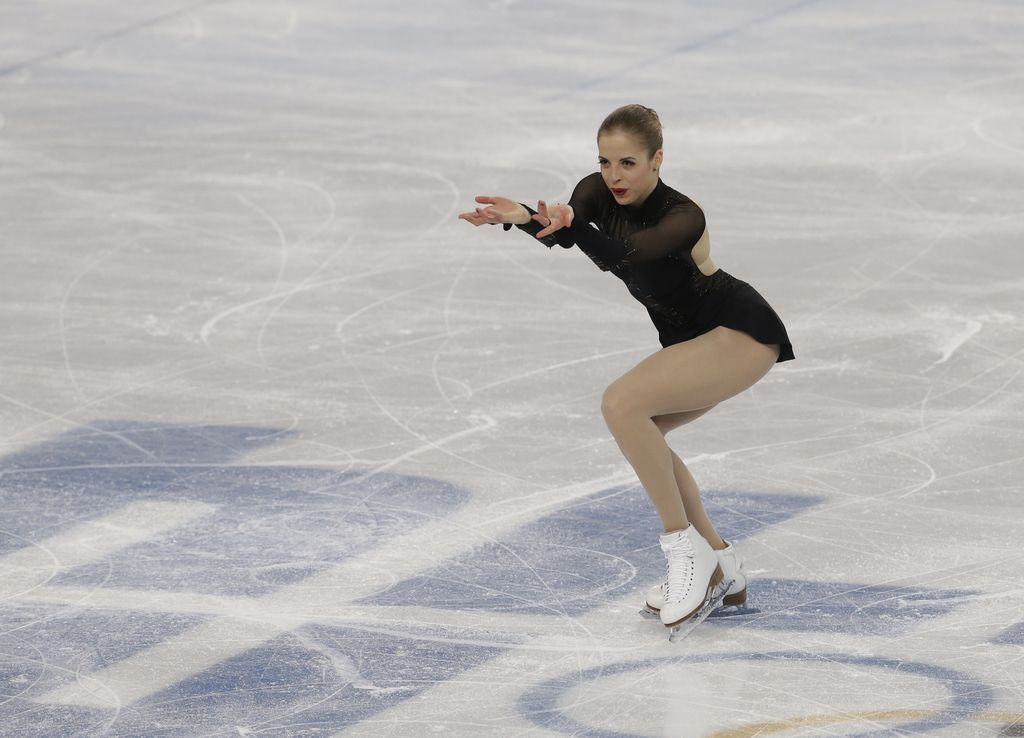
[(570, 704), (1014, 635), (551, 566), (839, 607), (154, 581), (215, 526)]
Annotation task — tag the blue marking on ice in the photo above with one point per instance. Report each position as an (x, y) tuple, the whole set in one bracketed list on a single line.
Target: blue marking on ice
[(275, 525), (584, 556), (316, 681), (1012, 636), (840, 607), (279, 524), (580, 557), (968, 697), (44, 647)]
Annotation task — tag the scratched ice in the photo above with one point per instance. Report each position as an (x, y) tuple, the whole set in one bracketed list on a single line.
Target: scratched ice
[(287, 449)]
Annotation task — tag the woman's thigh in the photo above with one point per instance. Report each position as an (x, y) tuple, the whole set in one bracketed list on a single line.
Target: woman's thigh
[(691, 376)]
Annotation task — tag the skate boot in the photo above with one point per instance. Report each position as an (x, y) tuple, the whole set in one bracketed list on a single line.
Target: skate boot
[(732, 569), (693, 573), (732, 573)]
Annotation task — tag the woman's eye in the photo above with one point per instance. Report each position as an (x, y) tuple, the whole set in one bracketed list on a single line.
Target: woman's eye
[(628, 163)]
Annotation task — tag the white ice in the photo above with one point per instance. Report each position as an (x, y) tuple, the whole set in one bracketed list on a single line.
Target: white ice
[(288, 449)]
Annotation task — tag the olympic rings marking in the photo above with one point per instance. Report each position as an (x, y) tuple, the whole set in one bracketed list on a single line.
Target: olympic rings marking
[(970, 697)]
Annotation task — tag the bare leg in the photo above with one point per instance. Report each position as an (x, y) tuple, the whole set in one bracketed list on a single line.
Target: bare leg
[(689, 492), (681, 379), (692, 504)]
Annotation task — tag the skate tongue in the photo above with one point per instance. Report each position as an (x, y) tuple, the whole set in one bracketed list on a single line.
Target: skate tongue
[(677, 542)]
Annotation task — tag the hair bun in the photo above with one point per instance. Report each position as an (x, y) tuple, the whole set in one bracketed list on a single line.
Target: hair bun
[(638, 120)]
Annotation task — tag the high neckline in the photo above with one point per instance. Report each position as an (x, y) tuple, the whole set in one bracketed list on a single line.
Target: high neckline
[(652, 204)]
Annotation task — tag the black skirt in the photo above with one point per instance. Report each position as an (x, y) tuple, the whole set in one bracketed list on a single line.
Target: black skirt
[(733, 304)]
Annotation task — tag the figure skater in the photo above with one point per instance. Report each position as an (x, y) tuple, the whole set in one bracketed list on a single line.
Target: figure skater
[(718, 337)]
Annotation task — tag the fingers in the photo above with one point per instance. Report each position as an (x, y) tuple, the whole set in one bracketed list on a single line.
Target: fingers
[(502, 210), (554, 217), (563, 214), (543, 215), (482, 216), (490, 215), (496, 212), (476, 218), (554, 224)]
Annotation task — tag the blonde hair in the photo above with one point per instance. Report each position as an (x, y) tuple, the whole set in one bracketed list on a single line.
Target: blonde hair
[(638, 120)]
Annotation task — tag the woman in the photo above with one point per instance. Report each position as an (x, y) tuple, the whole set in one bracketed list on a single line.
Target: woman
[(719, 337)]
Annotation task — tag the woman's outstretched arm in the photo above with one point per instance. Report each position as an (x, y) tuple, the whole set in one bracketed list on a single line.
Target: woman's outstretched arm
[(549, 223), (507, 212)]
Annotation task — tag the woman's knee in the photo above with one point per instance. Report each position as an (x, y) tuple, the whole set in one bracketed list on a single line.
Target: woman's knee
[(618, 403)]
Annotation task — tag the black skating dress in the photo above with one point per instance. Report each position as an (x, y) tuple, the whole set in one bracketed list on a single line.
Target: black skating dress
[(650, 249)]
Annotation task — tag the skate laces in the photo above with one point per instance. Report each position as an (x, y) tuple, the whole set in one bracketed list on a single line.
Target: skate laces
[(681, 556)]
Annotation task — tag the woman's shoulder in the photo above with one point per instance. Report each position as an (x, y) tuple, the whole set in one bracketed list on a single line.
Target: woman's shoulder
[(680, 206), (674, 197)]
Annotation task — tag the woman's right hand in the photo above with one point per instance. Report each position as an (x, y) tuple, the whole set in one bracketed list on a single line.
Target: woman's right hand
[(498, 210)]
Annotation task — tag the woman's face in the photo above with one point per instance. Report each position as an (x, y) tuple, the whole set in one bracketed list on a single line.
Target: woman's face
[(627, 169)]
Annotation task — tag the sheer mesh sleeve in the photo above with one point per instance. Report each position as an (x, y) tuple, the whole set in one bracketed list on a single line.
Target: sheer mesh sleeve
[(677, 230), (585, 203), (561, 236)]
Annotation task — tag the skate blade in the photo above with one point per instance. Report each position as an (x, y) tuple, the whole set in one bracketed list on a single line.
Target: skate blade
[(732, 611), (679, 632), (650, 613)]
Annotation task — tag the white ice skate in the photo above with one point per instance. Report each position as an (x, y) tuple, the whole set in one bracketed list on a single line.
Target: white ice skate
[(693, 576), (735, 595)]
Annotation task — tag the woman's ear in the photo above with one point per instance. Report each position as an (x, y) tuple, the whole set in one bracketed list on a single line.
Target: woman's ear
[(658, 156)]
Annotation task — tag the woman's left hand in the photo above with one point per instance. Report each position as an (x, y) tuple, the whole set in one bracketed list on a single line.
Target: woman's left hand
[(553, 217)]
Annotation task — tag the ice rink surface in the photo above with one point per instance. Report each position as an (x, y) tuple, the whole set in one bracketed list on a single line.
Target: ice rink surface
[(288, 450)]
